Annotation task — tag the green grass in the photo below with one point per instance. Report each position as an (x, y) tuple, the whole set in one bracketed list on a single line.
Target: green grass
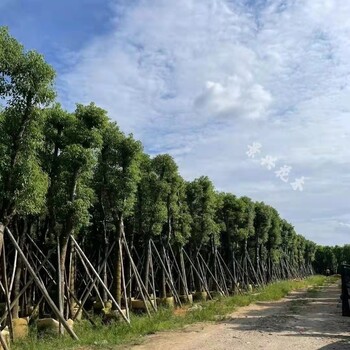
[(107, 337)]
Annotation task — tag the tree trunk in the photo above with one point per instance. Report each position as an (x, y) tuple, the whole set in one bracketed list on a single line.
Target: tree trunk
[(19, 268), (146, 266), (183, 281), (128, 267), (62, 267), (2, 230), (104, 271), (257, 253), (198, 284), (163, 277), (117, 282), (72, 277)]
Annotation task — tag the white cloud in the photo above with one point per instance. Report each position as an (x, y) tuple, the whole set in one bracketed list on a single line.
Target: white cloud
[(344, 224), (237, 97), (202, 79)]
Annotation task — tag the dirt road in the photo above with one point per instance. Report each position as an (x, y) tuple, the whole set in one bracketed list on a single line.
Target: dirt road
[(305, 321)]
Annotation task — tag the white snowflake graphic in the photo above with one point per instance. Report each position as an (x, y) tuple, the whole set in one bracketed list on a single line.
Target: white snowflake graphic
[(253, 149), (298, 184), (269, 162), (283, 172)]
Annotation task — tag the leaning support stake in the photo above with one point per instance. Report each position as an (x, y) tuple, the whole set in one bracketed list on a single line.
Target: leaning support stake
[(3, 342), (3, 317), (171, 285), (88, 288), (7, 295), (99, 278), (41, 287)]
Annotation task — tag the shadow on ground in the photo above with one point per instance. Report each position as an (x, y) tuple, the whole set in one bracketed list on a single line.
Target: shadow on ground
[(315, 315)]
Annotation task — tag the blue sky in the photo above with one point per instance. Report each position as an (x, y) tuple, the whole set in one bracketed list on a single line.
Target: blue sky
[(56, 27), (204, 79)]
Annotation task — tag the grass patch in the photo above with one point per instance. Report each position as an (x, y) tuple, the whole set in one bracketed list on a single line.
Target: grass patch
[(107, 337)]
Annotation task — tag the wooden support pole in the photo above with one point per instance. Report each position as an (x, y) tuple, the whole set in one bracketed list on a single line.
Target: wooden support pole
[(152, 275), (91, 279), (180, 272), (6, 288), (41, 252), (204, 278), (88, 289), (138, 278), (172, 287), (13, 272), (87, 261), (197, 273), (81, 308), (41, 287), (123, 281), (211, 274), (27, 285), (60, 291), (222, 273), (3, 342), (170, 277), (226, 267)]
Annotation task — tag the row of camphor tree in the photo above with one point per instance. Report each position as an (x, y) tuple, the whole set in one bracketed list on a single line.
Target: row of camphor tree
[(89, 221)]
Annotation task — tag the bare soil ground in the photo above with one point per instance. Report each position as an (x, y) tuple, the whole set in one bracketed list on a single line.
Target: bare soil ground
[(306, 321)]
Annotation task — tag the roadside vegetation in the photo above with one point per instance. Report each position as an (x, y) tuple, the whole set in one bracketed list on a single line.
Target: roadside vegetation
[(106, 337)]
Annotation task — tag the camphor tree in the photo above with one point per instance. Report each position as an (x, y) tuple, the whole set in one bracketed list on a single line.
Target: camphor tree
[(26, 86), (288, 235), (149, 212), (246, 231), (227, 218), (262, 224), (273, 244), (181, 226), (72, 144), (116, 179), (202, 203), (169, 182)]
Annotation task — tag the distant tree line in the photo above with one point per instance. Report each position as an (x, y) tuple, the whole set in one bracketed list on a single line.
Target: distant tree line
[(327, 257)]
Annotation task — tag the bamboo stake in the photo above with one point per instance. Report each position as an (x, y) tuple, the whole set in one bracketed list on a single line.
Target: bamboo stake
[(167, 273), (3, 342), (40, 251), (201, 271), (91, 280), (197, 273), (213, 277), (7, 295), (123, 281), (225, 266), (88, 289), (83, 310), (13, 272), (27, 285), (167, 260), (60, 295), (82, 254), (138, 279), (41, 287), (183, 278), (222, 274), (152, 275)]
